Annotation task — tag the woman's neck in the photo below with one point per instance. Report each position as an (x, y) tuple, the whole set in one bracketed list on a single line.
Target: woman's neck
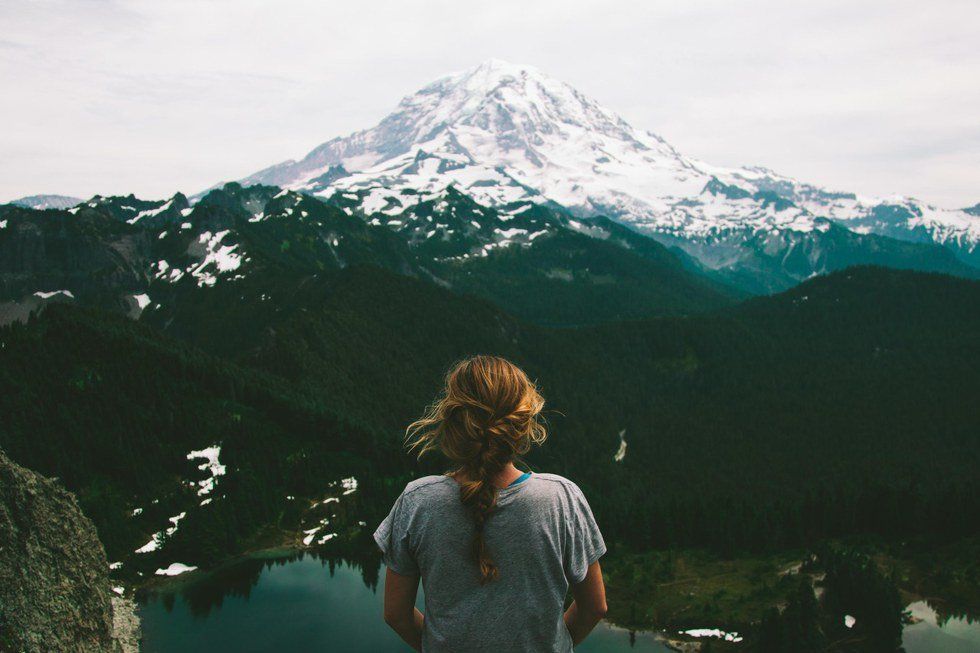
[(504, 477)]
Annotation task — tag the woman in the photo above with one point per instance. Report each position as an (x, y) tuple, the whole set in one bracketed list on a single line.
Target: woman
[(496, 549)]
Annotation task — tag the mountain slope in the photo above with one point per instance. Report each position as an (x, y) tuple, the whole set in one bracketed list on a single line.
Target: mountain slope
[(763, 262), (57, 256), (113, 408), (543, 265), (247, 249), (508, 134), (814, 402), (572, 278)]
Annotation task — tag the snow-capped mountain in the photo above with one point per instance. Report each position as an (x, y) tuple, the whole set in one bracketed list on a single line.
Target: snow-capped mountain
[(256, 246), (508, 135), (42, 202)]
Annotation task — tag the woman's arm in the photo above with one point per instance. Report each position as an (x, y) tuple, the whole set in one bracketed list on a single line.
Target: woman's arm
[(589, 606), (400, 611)]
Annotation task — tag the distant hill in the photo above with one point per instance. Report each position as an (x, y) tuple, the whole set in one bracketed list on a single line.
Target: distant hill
[(41, 202)]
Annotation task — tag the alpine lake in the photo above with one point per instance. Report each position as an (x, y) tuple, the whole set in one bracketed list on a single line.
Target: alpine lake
[(302, 602)]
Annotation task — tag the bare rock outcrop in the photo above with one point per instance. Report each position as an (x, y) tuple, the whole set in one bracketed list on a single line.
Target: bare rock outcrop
[(54, 585)]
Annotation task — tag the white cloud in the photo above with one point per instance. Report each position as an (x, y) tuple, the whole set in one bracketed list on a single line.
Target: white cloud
[(150, 97)]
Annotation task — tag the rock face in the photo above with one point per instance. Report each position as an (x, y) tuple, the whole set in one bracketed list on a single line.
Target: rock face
[(86, 253), (54, 585)]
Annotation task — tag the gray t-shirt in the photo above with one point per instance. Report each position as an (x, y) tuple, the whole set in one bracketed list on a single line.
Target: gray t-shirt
[(542, 537)]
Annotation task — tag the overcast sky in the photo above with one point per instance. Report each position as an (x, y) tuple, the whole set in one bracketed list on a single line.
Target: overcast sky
[(879, 97)]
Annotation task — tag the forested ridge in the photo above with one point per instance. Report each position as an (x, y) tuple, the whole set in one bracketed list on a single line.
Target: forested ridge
[(810, 414), (112, 409)]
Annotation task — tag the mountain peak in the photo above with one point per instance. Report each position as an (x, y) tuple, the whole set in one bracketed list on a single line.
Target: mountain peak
[(502, 100), (490, 74), (499, 66), (495, 115), (508, 134)]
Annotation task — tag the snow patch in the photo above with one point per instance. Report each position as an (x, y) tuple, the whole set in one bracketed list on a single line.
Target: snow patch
[(312, 533), (349, 485), (47, 295), (158, 538), (175, 520), (152, 545), (712, 632), (621, 452), (211, 464), (223, 258), (175, 569), (150, 212)]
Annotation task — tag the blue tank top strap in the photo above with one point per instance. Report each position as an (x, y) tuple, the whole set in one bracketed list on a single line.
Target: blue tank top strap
[(520, 479)]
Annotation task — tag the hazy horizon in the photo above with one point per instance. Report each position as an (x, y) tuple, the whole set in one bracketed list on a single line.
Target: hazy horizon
[(121, 97)]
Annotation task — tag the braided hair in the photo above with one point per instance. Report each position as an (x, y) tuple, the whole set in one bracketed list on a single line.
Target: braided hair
[(487, 415)]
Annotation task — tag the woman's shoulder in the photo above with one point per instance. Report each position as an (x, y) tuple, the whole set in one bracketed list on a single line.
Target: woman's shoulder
[(554, 484), (427, 485), (554, 480)]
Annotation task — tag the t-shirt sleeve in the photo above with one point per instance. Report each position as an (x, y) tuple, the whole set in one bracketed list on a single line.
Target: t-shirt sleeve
[(393, 538), (584, 544)]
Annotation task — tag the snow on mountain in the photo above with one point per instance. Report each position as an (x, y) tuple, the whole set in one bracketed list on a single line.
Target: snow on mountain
[(502, 133), (42, 202), (508, 135), (131, 209)]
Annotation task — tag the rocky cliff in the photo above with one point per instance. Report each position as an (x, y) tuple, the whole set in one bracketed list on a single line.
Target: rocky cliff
[(54, 584)]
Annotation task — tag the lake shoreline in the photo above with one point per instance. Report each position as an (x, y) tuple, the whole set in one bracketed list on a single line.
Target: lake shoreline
[(293, 576), (289, 550), (669, 608)]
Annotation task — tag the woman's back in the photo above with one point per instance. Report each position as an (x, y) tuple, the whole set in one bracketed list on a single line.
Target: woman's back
[(543, 538), (495, 555)]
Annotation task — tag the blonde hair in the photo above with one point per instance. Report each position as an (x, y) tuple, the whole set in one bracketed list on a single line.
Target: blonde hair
[(487, 415)]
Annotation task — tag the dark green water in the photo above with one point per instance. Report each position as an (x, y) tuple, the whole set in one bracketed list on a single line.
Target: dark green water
[(302, 604), (297, 606)]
